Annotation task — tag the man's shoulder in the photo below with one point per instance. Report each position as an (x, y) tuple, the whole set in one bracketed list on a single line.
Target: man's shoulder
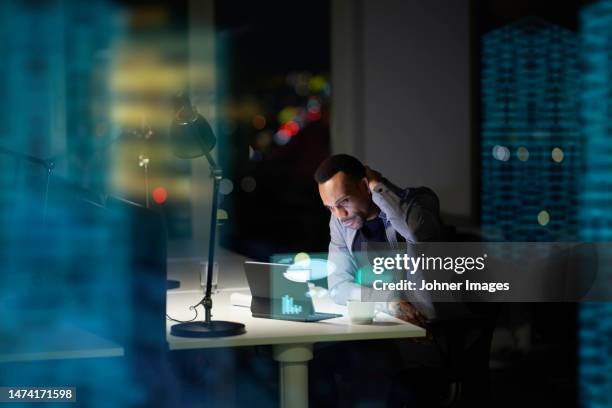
[(417, 194), (340, 234), (424, 197), (409, 190), (335, 224)]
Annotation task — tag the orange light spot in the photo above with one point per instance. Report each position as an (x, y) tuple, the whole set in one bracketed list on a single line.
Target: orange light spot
[(291, 127), (160, 195)]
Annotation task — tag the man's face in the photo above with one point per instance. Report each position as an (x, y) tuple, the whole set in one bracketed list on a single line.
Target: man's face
[(348, 199)]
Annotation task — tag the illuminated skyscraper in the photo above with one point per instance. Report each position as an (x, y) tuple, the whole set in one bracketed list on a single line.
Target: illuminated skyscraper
[(531, 146)]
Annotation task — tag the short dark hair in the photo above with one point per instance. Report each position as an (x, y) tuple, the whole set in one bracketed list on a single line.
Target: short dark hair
[(337, 163)]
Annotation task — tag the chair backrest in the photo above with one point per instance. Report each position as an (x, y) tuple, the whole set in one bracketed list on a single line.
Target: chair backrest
[(464, 340), (464, 330)]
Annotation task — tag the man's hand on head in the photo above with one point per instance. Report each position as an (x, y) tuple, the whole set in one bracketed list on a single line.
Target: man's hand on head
[(374, 177)]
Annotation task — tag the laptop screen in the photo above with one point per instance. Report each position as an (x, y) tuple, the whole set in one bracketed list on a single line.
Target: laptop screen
[(273, 293)]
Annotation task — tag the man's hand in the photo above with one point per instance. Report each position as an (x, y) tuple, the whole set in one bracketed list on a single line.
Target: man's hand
[(408, 313), (373, 177)]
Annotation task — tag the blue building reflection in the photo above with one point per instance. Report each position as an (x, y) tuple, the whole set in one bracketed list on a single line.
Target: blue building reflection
[(65, 275), (596, 204), (531, 145)]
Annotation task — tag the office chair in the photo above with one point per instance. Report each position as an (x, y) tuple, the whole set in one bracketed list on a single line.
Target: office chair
[(462, 334), (462, 339)]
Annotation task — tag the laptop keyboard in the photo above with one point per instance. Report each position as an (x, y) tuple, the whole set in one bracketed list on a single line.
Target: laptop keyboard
[(315, 317)]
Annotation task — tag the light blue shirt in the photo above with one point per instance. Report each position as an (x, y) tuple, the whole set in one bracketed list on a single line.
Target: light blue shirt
[(416, 218)]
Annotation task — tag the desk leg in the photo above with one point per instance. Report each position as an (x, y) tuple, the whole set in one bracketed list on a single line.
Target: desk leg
[(293, 365)]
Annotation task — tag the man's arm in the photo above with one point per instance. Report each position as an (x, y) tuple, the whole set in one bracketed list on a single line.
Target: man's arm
[(419, 225), (341, 272), (341, 267), (417, 222)]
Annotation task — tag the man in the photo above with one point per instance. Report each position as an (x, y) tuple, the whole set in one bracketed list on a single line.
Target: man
[(366, 207)]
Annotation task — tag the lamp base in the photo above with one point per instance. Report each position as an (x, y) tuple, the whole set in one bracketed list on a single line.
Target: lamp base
[(216, 328)]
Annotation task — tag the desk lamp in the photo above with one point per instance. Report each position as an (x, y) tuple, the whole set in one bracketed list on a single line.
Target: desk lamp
[(191, 137)]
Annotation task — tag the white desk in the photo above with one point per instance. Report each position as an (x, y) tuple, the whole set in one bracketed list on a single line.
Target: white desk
[(291, 341)]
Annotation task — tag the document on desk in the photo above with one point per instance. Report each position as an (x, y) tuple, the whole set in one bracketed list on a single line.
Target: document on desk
[(240, 299)]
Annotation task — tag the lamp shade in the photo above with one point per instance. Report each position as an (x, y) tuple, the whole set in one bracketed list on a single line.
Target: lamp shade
[(190, 134), (193, 138)]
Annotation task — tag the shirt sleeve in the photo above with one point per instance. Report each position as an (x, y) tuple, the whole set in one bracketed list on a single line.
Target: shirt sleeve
[(341, 267), (420, 224), (416, 221)]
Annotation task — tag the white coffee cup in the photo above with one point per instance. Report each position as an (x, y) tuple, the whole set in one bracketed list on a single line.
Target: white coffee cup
[(361, 312)]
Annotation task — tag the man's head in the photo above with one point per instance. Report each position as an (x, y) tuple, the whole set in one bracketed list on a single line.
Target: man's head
[(343, 187)]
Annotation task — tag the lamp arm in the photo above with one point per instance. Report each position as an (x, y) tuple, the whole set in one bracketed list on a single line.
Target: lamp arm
[(217, 175)]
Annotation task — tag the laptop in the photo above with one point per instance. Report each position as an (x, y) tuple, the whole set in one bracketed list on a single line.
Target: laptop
[(276, 297)]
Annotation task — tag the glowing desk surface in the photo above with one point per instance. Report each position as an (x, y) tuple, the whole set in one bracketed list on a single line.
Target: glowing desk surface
[(271, 332)]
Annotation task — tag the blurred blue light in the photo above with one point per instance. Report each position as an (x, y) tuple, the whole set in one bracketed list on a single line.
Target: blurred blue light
[(596, 201)]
